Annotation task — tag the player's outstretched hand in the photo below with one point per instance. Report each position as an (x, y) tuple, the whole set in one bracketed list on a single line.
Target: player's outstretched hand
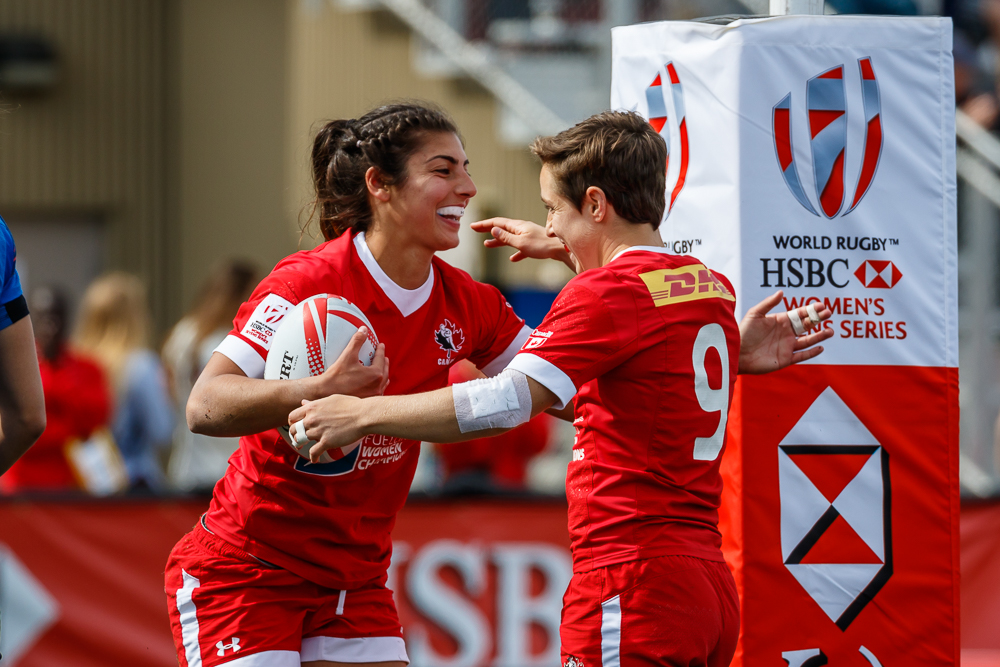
[(769, 342), (331, 422), (348, 376), (529, 239)]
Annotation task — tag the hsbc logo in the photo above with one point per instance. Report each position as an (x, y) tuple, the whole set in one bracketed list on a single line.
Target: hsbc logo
[(836, 537), (880, 274), (826, 108), (659, 119)]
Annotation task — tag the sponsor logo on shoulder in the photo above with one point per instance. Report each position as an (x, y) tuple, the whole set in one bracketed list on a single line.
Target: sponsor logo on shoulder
[(536, 339), (687, 283), (450, 339), (266, 319)]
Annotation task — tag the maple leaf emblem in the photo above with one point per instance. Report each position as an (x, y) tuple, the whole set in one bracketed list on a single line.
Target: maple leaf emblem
[(449, 337)]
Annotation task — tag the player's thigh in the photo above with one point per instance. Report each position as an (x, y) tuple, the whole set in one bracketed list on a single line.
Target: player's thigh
[(664, 611), (679, 611), (359, 627), (222, 607)]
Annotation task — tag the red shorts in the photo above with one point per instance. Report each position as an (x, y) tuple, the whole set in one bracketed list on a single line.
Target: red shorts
[(673, 610), (226, 607)]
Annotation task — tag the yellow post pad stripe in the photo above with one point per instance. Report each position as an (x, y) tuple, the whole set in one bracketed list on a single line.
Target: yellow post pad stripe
[(688, 283)]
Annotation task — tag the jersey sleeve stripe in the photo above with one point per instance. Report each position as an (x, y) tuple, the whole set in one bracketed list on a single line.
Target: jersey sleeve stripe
[(547, 374), (243, 355), (496, 366)]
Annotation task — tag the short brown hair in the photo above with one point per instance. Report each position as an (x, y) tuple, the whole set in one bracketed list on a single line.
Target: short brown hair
[(616, 151)]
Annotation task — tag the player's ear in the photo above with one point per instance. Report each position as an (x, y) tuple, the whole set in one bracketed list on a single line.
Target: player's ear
[(376, 185), (595, 204)]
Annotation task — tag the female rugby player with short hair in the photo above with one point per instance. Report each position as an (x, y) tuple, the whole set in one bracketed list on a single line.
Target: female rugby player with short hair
[(650, 372), (288, 566)]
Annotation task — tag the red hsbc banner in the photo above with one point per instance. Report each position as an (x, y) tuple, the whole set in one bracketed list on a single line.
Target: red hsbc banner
[(81, 584), (476, 582), (816, 155)]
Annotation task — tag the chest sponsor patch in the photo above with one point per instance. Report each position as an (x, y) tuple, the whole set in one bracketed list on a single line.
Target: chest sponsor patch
[(688, 283), (265, 320)]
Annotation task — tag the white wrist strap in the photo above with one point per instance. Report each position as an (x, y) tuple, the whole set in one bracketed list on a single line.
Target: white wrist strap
[(503, 401)]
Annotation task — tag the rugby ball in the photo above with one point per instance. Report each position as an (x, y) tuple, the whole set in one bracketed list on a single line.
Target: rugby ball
[(309, 339)]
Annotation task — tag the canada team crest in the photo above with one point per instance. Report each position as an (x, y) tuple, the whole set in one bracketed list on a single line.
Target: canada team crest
[(659, 116), (449, 338), (826, 106)]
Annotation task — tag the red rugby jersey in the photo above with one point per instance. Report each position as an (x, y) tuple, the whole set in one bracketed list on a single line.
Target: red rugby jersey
[(649, 345), (330, 523)]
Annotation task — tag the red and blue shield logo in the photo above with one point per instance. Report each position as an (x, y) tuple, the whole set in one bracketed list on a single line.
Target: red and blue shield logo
[(826, 107)]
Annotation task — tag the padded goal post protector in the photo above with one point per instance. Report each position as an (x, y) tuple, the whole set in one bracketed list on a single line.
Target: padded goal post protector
[(816, 155)]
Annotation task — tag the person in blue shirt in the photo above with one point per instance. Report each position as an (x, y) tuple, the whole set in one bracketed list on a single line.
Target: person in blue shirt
[(22, 405)]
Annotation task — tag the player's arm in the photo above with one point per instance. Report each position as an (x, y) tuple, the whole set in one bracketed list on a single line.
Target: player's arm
[(225, 402), (476, 409), (22, 404), (772, 341), (527, 238)]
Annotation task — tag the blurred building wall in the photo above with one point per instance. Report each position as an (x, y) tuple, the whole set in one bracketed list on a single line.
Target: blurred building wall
[(93, 146), (345, 62), (184, 127), (230, 118)]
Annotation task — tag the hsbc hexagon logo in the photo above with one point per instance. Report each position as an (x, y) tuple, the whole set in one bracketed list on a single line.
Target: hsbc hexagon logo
[(878, 273), (659, 119), (836, 534), (826, 107)]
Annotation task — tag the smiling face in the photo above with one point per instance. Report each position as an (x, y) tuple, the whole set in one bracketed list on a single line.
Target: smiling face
[(565, 222), (427, 208)]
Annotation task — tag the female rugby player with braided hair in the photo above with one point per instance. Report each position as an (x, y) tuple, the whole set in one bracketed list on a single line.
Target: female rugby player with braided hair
[(288, 566)]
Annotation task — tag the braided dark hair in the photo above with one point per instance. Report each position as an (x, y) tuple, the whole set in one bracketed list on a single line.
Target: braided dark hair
[(343, 151)]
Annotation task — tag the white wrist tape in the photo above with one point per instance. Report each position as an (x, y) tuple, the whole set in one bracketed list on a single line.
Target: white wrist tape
[(503, 401), (793, 317)]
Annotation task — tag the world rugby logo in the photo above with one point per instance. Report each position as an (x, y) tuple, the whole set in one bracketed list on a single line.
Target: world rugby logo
[(826, 106), (656, 105), (836, 537)]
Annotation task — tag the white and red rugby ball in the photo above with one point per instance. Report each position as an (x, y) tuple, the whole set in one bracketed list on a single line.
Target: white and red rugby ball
[(309, 339)]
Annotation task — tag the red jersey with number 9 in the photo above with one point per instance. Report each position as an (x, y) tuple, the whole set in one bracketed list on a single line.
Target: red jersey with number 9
[(649, 346)]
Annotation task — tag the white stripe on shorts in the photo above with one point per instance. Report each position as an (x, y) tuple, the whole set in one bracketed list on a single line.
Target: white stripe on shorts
[(611, 632), (189, 619), (340, 603), (354, 649), (268, 659)]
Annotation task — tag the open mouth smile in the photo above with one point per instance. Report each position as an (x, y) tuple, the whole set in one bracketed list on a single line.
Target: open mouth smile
[(452, 214)]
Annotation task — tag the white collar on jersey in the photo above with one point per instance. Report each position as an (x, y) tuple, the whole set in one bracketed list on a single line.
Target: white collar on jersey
[(408, 301), (645, 248)]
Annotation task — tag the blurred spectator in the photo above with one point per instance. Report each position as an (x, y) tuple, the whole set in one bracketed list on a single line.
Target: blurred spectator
[(975, 92), (491, 465), (113, 327), (197, 462), (76, 401)]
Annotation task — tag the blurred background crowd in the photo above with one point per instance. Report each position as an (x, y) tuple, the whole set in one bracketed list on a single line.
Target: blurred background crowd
[(144, 145)]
